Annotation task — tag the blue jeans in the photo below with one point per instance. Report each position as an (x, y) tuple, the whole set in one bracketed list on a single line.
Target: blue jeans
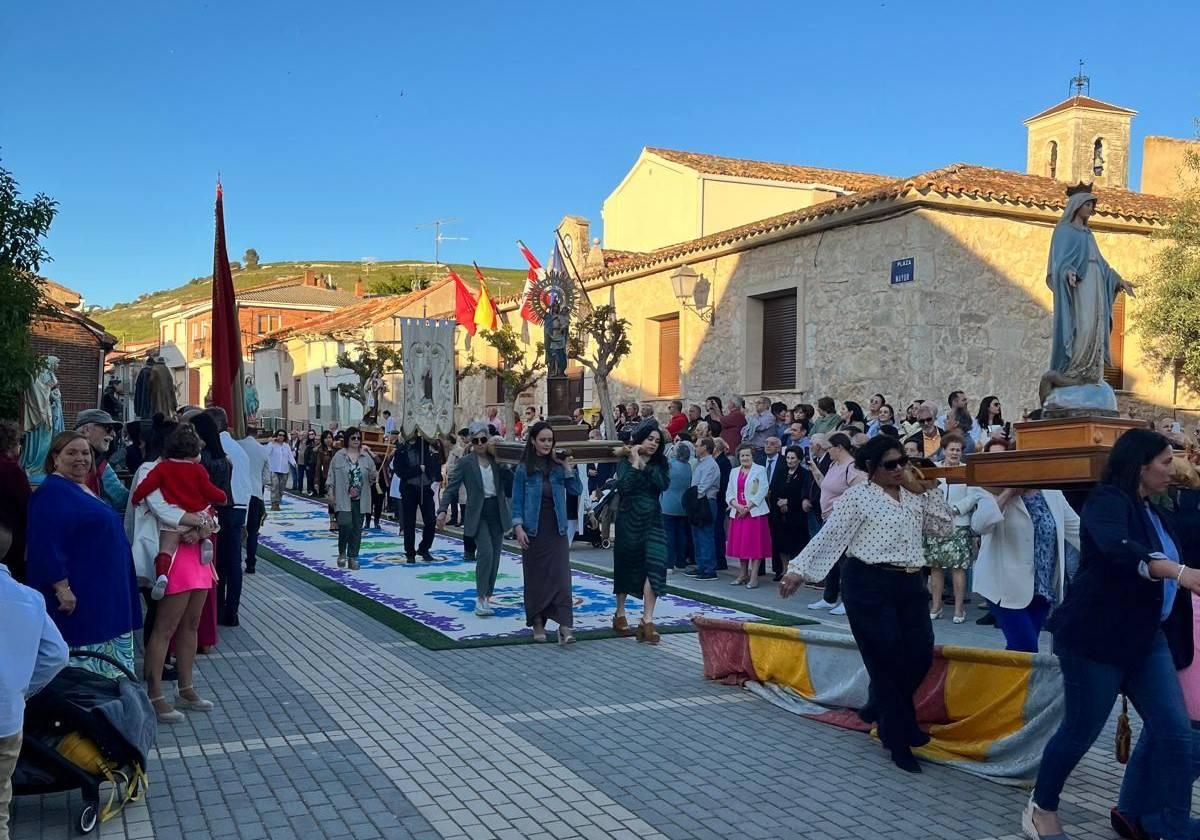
[(1142, 791), (702, 538), (1089, 690), (677, 539), (1022, 627)]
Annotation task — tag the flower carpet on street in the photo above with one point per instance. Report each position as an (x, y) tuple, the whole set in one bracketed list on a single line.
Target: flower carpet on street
[(434, 603)]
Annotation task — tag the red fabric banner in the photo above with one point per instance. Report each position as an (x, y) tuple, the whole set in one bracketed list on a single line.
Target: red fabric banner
[(464, 304), (226, 333)]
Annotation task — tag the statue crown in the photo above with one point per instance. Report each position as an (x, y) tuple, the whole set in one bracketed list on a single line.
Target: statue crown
[(1081, 187)]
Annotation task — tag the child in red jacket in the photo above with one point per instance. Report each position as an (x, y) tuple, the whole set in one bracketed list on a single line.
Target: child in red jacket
[(185, 484)]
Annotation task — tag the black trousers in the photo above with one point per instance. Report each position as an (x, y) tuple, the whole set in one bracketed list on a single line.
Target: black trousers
[(411, 500), (254, 518), (229, 564), (833, 582), (889, 616), (377, 499)]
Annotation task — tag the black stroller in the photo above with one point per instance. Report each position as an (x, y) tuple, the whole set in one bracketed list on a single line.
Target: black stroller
[(596, 530), (84, 730)]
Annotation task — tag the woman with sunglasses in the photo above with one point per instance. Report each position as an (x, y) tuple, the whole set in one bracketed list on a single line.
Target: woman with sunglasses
[(486, 517), (879, 526), (351, 477)]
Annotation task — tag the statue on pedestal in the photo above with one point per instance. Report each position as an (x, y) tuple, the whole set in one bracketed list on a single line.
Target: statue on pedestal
[(556, 328), (250, 399), (50, 374), (38, 421), (162, 389), (1084, 288)]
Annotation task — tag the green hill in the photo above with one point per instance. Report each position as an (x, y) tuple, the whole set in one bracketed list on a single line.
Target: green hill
[(131, 322)]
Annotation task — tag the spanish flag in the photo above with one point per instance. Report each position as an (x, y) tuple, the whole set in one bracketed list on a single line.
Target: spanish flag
[(485, 311)]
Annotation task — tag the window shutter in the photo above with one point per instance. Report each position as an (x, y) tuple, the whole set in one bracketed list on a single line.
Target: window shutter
[(668, 357), (1114, 373), (779, 343)]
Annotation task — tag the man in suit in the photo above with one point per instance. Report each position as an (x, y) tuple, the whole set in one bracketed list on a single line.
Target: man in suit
[(418, 466), (771, 457), (487, 515)]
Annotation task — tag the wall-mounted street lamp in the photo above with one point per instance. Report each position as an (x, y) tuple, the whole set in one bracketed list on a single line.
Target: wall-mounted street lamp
[(691, 290)]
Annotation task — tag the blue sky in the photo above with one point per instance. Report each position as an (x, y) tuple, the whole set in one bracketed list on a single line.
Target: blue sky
[(512, 114)]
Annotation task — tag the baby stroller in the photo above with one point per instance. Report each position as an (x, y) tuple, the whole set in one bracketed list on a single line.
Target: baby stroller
[(599, 518), (84, 730)]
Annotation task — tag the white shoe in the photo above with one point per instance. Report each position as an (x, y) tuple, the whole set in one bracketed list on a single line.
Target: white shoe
[(160, 588), (821, 605), (483, 609), (840, 609)]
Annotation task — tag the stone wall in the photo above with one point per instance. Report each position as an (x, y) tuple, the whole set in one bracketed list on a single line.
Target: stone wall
[(976, 317)]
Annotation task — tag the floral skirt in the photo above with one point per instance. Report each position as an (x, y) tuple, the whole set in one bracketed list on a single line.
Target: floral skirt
[(120, 649), (956, 551)]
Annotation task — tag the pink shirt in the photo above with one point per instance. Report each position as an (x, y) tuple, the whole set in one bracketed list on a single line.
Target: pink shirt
[(838, 479)]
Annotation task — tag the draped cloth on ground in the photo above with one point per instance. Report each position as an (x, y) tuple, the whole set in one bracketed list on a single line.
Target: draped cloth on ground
[(988, 712), (428, 353)]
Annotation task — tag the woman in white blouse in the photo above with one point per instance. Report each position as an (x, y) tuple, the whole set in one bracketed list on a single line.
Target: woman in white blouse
[(880, 525)]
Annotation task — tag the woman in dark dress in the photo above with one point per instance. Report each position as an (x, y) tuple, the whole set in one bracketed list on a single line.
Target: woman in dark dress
[(539, 516), (640, 554), (789, 489)]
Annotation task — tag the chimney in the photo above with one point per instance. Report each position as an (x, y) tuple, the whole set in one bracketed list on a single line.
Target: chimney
[(358, 287), (310, 278)]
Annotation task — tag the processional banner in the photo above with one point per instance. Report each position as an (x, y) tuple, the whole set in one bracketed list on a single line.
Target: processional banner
[(428, 365)]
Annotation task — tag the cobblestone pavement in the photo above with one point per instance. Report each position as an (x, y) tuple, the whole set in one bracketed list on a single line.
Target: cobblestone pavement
[(329, 724)]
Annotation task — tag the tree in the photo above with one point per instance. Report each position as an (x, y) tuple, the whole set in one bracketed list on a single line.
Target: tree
[(599, 342), (1168, 314), (514, 372), (366, 362), (250, 259), (393, 284), (23, 225)]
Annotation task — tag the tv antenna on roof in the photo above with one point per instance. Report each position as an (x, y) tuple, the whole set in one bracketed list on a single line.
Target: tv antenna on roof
[(1081, 82), (438, 238)]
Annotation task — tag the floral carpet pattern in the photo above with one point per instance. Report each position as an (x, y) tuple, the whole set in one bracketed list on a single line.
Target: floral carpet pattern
[(441, 595)]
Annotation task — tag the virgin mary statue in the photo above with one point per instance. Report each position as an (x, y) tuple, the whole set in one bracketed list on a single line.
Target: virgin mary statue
[(1084, 287)]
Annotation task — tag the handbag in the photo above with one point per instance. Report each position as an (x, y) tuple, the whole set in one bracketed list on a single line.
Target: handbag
[(1124, 739)]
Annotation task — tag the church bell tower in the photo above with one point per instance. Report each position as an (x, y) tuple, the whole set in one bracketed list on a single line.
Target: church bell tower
[(1081, 139)]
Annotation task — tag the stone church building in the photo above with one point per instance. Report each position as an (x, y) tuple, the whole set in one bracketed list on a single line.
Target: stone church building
[(799, 282)]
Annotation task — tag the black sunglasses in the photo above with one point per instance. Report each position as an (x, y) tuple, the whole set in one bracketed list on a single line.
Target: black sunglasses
[(926, 420), (895, 463), (480, 439)]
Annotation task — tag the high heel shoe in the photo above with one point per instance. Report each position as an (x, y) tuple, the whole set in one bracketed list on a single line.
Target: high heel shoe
[(197, 705), (173, 716), (1030, 830), (620, 626), (566, 636), (934, 616), (647, 633)]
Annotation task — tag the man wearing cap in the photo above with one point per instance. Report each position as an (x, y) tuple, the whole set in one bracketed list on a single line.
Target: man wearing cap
[(487, 516), (100, 429)]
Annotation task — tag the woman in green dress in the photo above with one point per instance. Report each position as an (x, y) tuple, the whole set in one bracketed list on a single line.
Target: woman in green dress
[(640, 554)]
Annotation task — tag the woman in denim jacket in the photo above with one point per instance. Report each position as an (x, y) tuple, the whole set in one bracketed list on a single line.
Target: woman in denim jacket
[(539, 517)]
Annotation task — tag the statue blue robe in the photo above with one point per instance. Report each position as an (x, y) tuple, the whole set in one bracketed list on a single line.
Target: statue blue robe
[(1085, 311)]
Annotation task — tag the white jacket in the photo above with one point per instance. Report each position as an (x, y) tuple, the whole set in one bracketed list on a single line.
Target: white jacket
[(963, 499), (143, 521), (756, 491), (1004, 570)]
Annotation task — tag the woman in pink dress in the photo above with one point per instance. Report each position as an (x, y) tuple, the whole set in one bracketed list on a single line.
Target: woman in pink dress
[(749, 539)]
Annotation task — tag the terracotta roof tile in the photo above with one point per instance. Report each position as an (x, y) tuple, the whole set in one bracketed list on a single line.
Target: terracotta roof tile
[(960, 181), (740, 168), (299, 294), (1081, 102)]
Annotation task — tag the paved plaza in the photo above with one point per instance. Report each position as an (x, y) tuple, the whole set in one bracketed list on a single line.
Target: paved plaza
[(329, 724)]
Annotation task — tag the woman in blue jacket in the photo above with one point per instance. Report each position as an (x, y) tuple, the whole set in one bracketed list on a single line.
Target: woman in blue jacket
[(539, 516), (1110, 636)]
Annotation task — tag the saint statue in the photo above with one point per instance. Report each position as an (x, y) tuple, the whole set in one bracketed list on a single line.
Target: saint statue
[(162, 389), (38, 421), (1084, 287), (555, 329), (50, 375), (374, 388), (250, 398)]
